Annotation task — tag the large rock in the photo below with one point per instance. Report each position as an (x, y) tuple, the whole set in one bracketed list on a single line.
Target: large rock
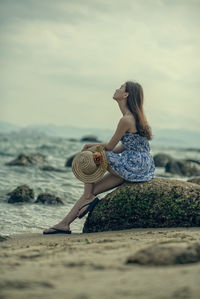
[(195, 180), (193, 160), (21, 194), (52, 168), (73, 139), (161, 159), (4, 238), (27, 159), (90, 138), (183, 168), (49, 199), (166, 254), (159, 202), (69, 161)]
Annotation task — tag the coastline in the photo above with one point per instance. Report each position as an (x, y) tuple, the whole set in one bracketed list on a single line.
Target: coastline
[(92, 265)]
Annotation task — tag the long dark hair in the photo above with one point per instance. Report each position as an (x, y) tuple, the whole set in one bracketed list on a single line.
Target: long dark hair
[(135, 102)]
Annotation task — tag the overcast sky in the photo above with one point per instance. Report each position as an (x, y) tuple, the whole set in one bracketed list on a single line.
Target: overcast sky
[(61, 61)]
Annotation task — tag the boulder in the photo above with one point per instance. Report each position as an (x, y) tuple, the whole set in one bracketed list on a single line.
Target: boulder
[(72, 139), (69, 161), (166, 254), (49, 199), (5, 154), (51, 168), (192, 160), (195, 180), (90, 138), (183, 168), (27, 159), (21, 194), (161, 159), (191, 149), (4, 238), (159, 202)]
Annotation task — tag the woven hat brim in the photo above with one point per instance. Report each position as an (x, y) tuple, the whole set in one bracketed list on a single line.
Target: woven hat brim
[(98, 174)]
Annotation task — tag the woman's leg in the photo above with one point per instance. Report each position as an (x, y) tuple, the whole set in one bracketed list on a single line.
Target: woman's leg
[(109, 181), (72, 215)]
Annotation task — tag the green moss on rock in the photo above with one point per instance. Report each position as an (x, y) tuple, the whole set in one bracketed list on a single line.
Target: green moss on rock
[(159, 202)]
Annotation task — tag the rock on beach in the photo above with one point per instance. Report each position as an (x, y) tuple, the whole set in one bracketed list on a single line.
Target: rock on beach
[(24, 194), (21, 194), (183, 168), (195, 180), (161, 159), (159, 202), (89, 138), (166, 254), (27, 160), (49, 199)]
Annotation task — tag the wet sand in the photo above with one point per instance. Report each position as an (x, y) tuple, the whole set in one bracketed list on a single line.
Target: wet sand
[(81, 266)]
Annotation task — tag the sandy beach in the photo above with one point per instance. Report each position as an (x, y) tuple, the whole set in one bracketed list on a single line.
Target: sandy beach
[(93, 265)]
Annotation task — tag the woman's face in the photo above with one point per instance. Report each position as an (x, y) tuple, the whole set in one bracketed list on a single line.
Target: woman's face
[(119, 93)]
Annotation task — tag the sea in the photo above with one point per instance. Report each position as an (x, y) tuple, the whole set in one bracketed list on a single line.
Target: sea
[(30, 217)]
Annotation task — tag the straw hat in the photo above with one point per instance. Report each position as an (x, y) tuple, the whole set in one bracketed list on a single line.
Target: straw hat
[(90, 165)]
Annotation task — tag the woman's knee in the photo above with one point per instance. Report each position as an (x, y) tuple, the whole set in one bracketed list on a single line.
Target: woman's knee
[(108, 182)]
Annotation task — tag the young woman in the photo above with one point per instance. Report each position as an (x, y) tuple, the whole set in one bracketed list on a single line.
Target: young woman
[(130, 161)]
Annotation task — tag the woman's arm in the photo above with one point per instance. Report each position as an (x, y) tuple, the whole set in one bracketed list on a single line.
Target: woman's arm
[(122, 127), (118, 149)]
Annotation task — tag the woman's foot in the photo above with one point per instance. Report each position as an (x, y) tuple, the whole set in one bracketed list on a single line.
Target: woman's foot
[(60, 226), (89, 200)]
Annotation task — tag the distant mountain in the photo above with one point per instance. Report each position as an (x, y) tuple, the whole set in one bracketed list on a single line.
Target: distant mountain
[(176, 138), (69, 131), (55, 130), (8, 127)]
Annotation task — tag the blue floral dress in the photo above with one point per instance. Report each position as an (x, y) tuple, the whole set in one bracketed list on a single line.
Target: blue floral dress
[(135, 163)]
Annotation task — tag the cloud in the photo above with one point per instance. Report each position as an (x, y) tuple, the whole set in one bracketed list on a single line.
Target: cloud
[(63, 57)]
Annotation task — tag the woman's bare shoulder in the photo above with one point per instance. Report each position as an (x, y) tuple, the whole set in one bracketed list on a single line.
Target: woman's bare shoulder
[(131, 120)]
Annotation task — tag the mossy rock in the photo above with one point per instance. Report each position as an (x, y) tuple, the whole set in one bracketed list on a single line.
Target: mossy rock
[(49, 199), (21, 194), (183, 168), (90, 138), (161, 159), (159, 202), (27, 159), (166, 254), (195, 180), (52, 168), (69, 160)]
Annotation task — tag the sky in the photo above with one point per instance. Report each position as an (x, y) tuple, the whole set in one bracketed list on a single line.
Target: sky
[(61, 61)]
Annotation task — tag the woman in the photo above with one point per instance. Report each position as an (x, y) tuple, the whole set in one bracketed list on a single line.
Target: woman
[(130, 161)]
